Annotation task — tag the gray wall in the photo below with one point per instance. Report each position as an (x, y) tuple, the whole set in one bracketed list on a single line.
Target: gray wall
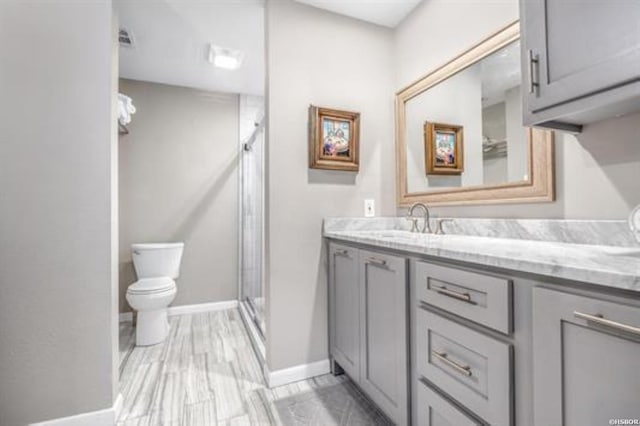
[(329, 60), (57, 315), (316, 57), (178, 182), (596, 172)]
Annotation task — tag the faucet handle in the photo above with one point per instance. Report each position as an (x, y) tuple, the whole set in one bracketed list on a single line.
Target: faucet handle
[(414, 223), (439, 228)]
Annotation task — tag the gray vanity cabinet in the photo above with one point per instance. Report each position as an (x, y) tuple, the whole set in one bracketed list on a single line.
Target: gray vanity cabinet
[(345, 308), (383, 332), (580, 60), (434, 410), (487, 347), (586, 359), (368, 324)]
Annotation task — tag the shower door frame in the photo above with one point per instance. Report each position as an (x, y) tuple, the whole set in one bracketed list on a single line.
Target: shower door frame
[(247, 310)]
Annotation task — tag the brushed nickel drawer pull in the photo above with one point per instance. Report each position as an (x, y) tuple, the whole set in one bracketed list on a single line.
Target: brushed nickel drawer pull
[(343, 252), (377, 262), (444, 357), (533, 67), (465, 297), (599, 319)]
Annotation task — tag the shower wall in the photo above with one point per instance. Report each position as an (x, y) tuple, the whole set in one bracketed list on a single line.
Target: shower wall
[(251, 205)]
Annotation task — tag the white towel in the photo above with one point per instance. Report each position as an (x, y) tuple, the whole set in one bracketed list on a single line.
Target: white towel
[(125, 109)]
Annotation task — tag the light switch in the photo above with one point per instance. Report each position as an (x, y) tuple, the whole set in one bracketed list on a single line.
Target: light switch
[(369, 208)]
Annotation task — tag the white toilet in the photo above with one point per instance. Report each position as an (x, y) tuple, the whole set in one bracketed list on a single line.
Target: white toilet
[(157, 266)]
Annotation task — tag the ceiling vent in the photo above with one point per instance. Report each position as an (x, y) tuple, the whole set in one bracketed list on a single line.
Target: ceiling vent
[(125, 38)]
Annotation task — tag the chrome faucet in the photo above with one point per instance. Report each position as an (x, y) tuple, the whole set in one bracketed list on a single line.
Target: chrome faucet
[(426, 227)]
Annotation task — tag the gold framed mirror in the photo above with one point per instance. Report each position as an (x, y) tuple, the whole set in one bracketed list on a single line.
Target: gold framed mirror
[(472, 101)]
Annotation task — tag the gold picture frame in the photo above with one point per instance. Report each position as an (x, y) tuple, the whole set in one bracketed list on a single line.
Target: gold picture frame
[(333, 139), (444, 149)]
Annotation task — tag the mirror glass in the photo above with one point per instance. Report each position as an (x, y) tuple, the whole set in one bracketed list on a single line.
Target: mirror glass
[(467, 130)]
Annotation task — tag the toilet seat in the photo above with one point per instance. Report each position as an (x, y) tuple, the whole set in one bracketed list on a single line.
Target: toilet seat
[(152, 286)]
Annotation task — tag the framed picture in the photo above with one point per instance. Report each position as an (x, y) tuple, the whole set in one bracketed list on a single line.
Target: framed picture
[(333, 139), (443, 146)]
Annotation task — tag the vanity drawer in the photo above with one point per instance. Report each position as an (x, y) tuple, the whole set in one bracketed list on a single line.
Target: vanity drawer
[(485, 299), (434, 410), (473, 368)]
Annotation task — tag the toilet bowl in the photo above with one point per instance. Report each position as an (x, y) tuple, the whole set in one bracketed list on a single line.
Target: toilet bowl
[(157, 266)]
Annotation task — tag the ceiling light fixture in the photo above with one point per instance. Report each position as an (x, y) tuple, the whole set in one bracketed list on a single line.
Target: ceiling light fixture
[(221, 57)]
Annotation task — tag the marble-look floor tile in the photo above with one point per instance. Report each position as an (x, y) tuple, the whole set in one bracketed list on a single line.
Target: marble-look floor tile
[(170, 397), (248, 370), (137, 421), (260, 409), (340, 404), (139, 392), (206, 373), (237, 421), (224, 380), (200, 414), (127, 341), (198, 388)]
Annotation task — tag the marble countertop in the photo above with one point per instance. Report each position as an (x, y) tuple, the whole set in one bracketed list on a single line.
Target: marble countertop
[(609, 266)]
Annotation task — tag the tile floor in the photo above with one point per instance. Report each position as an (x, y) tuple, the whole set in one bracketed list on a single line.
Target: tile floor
[(206, 373)]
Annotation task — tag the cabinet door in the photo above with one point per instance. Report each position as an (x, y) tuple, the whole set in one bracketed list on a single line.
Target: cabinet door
[(434, 410), (586, 360), (345, 308), (383, 319), (583, 47)]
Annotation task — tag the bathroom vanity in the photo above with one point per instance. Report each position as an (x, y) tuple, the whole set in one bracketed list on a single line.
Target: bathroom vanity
[(526, 323), (473, 330)]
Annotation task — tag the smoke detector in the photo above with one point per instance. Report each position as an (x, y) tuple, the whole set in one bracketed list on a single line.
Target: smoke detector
[(125, 38)]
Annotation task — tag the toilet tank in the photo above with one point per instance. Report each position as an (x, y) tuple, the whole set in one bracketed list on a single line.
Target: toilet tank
[(157, 259)]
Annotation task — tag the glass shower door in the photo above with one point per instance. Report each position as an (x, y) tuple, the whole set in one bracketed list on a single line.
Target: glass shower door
[(251, 205)]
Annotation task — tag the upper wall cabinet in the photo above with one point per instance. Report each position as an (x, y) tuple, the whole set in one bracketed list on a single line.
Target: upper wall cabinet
[(581, 59)]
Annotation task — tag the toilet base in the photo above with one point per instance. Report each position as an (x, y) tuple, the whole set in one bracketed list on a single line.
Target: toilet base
[(152, 327)]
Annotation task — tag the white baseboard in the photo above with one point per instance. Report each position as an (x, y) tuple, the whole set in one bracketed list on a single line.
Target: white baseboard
[(297, 373), (106, 417), (202, 307), (189, 309), (117, 407)]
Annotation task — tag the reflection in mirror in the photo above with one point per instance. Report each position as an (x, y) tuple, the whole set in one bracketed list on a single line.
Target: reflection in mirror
[(483, 101)]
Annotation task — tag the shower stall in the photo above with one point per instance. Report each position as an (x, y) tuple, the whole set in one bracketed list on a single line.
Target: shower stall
[(251, 199)]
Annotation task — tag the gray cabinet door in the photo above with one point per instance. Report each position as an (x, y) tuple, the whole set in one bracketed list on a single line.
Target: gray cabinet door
[(383, 319), (586, 360), (434, 410), (345, 308), (584, 47)]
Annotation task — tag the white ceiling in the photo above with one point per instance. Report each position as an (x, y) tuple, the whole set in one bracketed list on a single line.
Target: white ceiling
[(382, 12), (171, 38)]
